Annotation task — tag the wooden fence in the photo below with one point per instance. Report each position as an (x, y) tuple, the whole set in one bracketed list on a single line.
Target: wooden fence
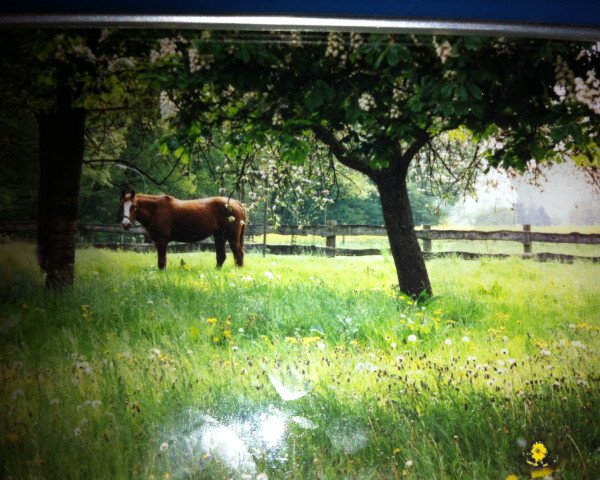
[(330, 233)]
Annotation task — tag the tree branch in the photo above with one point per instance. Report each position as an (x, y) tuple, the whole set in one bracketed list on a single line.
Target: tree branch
[(340, 152)]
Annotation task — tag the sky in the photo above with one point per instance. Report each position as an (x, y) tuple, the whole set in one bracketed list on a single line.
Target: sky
[(561, 189)]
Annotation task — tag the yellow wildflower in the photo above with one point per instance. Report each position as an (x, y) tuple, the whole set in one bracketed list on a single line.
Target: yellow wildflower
[(538, 451), (211, 321), (512, 477), (227, 334), (542, 472)]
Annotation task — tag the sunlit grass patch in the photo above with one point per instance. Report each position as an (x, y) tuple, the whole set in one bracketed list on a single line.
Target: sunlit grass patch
[(315, 366)]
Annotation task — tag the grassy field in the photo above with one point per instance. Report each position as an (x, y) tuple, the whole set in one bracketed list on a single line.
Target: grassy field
[(298, 368)]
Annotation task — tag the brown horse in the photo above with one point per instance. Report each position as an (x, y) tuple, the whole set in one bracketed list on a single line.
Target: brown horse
[(167, 219)]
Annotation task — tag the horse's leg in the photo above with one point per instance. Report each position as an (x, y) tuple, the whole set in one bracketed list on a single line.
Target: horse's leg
[(237, 247), (161, 249), (220, 248)]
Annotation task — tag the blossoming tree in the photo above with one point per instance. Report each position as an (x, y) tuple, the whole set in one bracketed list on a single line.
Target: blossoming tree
[(378, 101)]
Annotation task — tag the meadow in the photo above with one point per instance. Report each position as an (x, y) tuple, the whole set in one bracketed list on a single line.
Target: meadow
[(298, 367)]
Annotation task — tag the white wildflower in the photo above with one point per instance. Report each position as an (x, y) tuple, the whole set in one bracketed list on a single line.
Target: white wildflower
[(408, 463), (448, 342), (465, 339), (163, 446), (412, 338), (577, 344)]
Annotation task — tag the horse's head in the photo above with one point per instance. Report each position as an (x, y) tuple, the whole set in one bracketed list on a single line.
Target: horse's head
[(127, 209)]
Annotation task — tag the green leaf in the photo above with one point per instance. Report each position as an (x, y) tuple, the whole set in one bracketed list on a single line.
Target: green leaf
[(393, 56), (475, 91), (314, 98)]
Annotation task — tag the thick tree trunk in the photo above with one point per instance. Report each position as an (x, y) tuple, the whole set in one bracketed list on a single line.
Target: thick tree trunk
[(61, 145), (410, 265)]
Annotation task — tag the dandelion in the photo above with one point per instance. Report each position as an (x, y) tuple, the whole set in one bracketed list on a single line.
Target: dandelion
[(77, 432), (471, 359), (408, 463), (448, 342), (211, 320), (465, 339), (96, 404), (504, 351), (538, 451), (269, 275), (512, 477), (544, 352), (163, 446), (412, 338)]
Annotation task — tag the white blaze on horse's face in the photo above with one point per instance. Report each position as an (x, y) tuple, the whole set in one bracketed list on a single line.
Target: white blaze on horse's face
[(126, 222)]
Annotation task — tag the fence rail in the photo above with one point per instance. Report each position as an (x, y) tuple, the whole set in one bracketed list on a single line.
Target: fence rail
[(332, 230)]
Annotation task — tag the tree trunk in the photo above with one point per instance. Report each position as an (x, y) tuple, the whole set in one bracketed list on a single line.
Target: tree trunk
[(410, 265), (61, 145)]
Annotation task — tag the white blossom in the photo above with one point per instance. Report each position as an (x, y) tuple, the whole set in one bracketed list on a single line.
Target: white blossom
[(167, 47), (444, 51), (366, 102), (168, 109), (199, 61)]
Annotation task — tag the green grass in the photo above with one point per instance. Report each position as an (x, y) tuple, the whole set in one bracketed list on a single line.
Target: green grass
[(130, 372)]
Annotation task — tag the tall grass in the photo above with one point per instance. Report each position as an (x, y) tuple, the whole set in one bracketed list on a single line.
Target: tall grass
[(127, 374)]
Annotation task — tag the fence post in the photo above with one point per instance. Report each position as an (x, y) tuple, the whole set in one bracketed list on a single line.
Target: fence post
[(330, 239), (427, 240), (527, 241)]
